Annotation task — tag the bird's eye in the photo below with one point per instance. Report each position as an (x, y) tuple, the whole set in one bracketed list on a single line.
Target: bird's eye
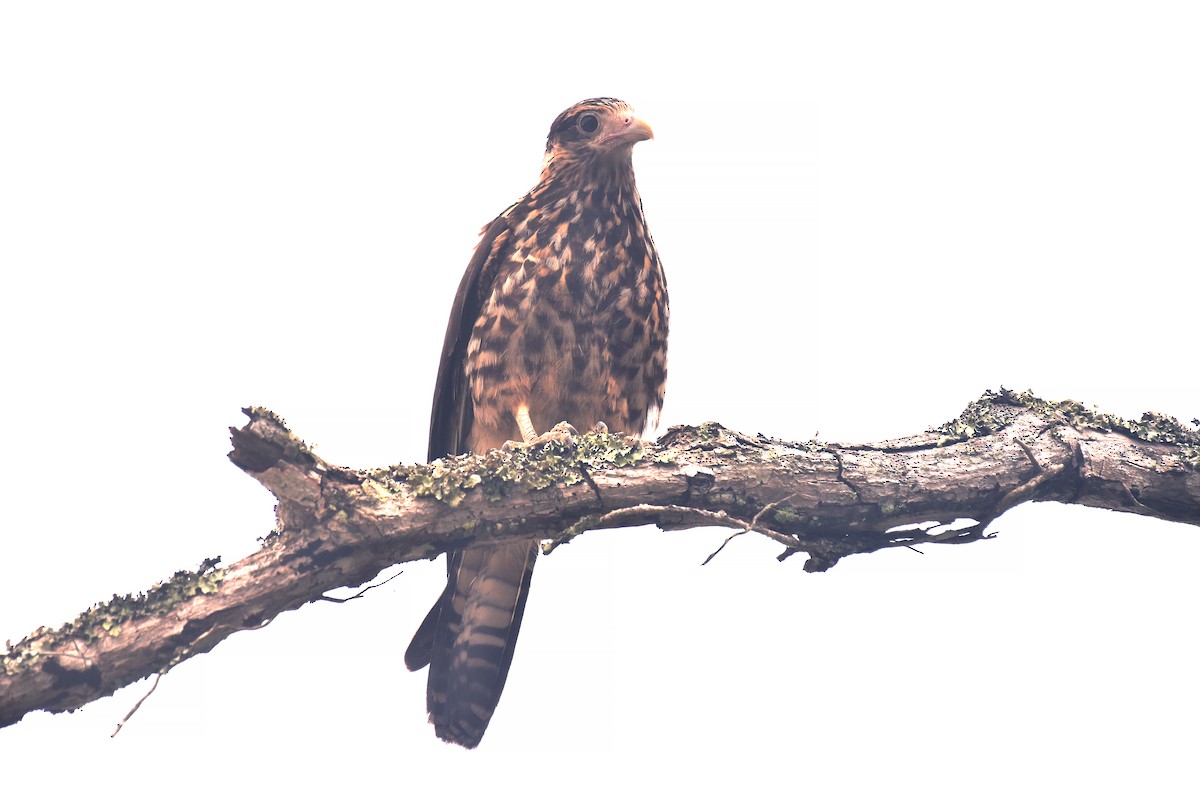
[(588, 123)]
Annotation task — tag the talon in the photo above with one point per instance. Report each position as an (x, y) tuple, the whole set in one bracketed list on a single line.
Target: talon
[(563, 434), (600, 428), (565, 428)]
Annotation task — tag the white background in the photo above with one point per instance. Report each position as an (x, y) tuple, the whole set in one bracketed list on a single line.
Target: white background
[(869, 213)]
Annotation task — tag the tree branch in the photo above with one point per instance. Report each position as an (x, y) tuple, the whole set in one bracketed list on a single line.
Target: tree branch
[(339, 527)]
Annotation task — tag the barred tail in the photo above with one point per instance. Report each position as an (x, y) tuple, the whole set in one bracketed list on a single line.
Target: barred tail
[(467, 639)]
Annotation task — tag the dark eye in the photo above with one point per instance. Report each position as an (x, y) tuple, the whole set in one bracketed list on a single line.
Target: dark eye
[(588, 123)]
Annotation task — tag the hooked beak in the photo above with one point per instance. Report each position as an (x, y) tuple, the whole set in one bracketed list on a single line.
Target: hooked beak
[(627, 130)]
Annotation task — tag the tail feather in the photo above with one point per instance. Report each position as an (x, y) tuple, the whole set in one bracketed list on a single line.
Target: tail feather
[(420, 650), (468, 637)]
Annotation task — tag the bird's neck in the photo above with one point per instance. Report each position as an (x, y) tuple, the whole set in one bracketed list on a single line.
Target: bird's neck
[(602, 175)]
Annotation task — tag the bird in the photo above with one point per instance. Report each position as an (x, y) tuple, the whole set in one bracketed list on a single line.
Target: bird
[(561, 316)]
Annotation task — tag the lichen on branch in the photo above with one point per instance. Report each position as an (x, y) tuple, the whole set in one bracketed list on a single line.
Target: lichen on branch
[(339, 527)]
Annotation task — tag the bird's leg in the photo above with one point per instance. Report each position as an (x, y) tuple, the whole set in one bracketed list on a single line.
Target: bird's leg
[(525, 424), (563, 433)]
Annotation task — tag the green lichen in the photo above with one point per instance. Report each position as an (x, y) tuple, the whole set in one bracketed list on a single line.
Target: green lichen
[(292, 445), (786, 516), (994, 410), (730, 499), (109, 618), (715, 437), (1151, 427), (497, 473), (1190, 456), (266, 414)]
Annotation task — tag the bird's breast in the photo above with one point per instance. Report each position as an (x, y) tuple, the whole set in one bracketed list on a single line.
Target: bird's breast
[(576, 319)]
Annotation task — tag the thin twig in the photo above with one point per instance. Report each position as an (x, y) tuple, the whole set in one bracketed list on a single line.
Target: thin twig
[(360, 593), (157, 677), (1018, 494), (591, 482), (618, 517), (767, 508), (723, 544), (1029, 454), (753, 526)]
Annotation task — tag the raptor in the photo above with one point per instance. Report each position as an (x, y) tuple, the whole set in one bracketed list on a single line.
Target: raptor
[(561, 316)]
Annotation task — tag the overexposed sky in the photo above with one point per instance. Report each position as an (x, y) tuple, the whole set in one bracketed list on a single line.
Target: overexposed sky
[(869, 213)]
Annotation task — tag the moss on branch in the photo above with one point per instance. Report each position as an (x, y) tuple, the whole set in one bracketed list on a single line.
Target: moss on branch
[(107, 618)]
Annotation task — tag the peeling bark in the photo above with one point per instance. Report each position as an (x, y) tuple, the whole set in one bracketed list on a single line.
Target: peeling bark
[(339, 527)]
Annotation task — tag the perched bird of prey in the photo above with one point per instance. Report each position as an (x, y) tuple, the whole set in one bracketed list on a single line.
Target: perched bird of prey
[(561, 316)]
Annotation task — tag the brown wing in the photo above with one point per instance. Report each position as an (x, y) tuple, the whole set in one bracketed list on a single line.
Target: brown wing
[(450, 423), (468, 636)]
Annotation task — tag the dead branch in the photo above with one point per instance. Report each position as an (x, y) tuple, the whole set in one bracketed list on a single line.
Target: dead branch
[(339, 527)]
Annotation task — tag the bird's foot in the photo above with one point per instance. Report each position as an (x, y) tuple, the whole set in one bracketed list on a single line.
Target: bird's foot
[(563, 435)]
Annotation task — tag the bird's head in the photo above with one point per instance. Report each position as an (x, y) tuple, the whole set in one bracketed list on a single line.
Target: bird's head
[(601, 132)]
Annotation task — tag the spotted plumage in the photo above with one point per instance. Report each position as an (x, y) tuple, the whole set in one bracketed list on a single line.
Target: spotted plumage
[(562, 313)]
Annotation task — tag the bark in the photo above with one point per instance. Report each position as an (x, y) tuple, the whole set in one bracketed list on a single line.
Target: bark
[(339, 527)]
